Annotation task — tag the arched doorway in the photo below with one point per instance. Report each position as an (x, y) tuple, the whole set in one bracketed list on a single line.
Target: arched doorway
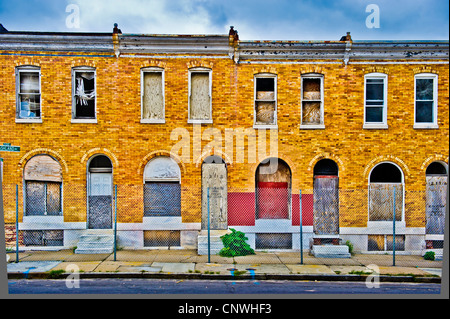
[(436, 198), (99, 189), (385, 180), (214, 178), (326, 198), (273, 189)]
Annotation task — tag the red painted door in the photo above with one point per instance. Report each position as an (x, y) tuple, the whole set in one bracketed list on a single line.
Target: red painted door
[(273, 200)]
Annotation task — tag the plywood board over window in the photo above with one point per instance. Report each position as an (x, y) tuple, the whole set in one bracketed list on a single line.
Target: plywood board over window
[(312, 101), (265, 100), (200, 96), (152, 96)]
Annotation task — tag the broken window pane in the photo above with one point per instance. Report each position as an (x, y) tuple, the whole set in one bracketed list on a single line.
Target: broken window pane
[(29, 96), (424, 100), (200, 99), (153, 96), (424, 89), (84, 94)]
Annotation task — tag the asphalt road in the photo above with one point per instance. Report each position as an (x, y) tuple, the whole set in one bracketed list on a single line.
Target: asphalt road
[(210, 287)]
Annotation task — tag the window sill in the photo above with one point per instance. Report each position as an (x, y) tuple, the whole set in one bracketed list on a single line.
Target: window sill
[(423, 126), (312, 126), (148, 121), (265, 126), (200, 121), (83, 121), (375, 126), (29, 120)]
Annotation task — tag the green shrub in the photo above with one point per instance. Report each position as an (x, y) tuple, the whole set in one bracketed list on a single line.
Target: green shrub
[(235, 245), (429, 255)]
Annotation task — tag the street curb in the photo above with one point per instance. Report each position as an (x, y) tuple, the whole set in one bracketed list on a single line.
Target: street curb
[(198, 276)]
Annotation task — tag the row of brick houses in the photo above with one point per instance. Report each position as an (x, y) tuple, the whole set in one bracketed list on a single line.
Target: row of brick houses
[(167, 117)]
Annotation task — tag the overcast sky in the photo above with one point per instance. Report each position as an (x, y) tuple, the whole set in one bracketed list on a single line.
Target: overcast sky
[(254, 19)]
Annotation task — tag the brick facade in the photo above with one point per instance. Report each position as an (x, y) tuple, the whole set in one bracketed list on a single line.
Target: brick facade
[(130, 144)]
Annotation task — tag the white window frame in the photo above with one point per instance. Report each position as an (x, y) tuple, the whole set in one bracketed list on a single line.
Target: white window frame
[(74, 119), (275, 96), (434, 124), (27, 69), (384, 227), (209, 72), (322, 118), (153, 70), (383, 124)]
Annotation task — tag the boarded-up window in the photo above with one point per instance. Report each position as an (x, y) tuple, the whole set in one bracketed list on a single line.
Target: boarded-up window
[(152, 96), (385, 242), (43, 179), (200, 96), (43, 237), (162, 238), (273, 241), (28, 93), (312, 100), (162, 199), (381, 202), (84, 93), (162, 188), (265, 100)]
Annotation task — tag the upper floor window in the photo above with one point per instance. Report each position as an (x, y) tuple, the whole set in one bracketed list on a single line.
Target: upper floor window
[(83, 94), (312, 101), (199, 104), (265, 114), (425, 112), (152, 95), (375, 101), (28, 94)]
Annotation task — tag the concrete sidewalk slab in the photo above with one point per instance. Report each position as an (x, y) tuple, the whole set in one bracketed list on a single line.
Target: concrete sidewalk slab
[(310, 269), (175, 267), (222, 269), (31, 266), (394, 270), (85, 266)]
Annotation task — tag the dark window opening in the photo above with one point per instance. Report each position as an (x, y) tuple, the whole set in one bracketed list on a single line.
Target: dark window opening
[(84, 95), (436, 168), (386, 173), (326, 167), (265, 84)]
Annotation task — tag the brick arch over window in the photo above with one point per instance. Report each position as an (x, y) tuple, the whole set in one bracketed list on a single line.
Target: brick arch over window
[(43, 151), (157, 153), (102, 151)]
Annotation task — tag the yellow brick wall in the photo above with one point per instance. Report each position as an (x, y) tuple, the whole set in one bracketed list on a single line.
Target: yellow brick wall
[(130, 144)]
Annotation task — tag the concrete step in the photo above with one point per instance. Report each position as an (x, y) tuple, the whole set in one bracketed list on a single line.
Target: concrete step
[(330, 251), (95, 244), (215, 245)]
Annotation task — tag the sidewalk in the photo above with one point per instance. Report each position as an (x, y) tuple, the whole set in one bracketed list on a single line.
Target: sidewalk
[(186, 264)]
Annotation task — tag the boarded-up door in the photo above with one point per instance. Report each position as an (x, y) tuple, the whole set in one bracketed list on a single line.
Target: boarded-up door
[(381, 201), (100, 201), (436, 203), (214, 177), (326, 205), (273, 200)]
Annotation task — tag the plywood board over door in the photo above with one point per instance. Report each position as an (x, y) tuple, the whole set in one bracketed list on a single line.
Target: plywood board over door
[(326, 205)]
